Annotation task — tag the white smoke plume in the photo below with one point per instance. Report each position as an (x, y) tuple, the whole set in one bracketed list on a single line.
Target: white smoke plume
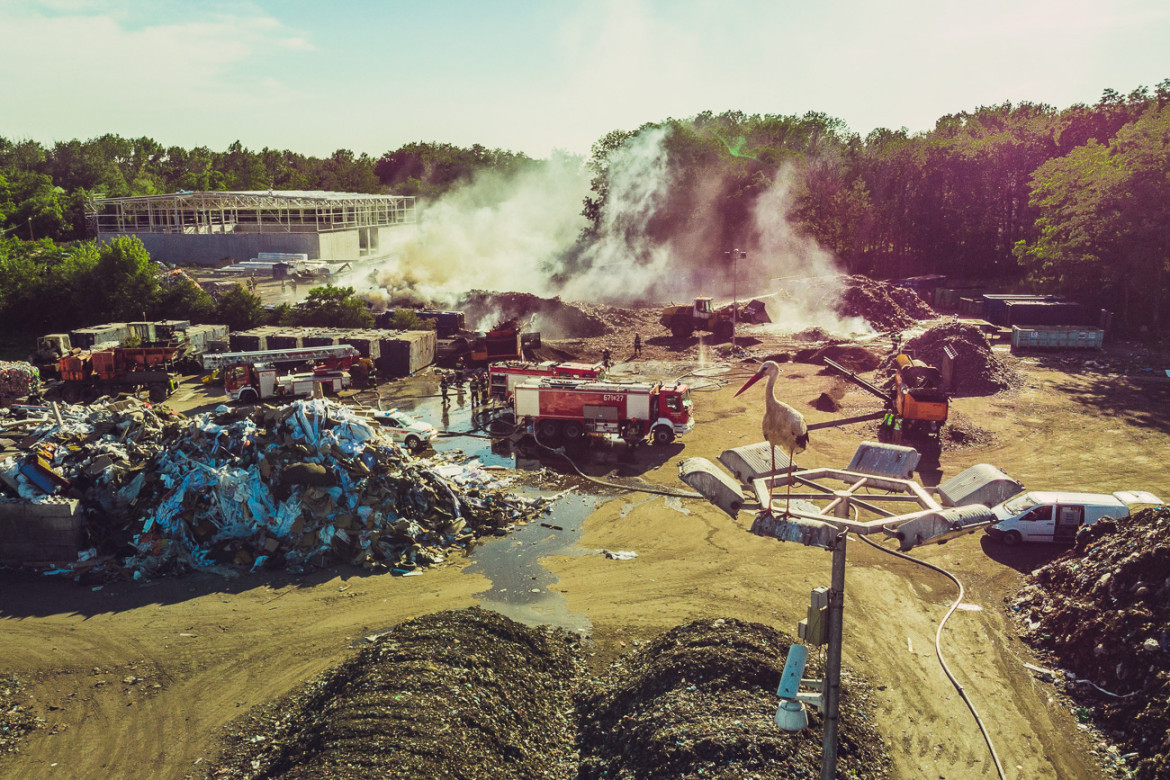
[(516, 234), (497, 233)]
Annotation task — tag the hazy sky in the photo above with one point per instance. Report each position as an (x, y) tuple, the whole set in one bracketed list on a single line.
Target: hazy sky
[(541, 75)]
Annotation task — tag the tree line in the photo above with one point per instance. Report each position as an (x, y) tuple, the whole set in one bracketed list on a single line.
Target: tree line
[(1075, 200)]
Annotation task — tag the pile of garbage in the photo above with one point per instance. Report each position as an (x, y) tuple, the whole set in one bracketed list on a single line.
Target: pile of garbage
[(16, 715), (468, 693), (885, 306), (18, 378), (299, 486), (978, 370), (1103, 613), (700, 701), (473, 694), (552, 317)]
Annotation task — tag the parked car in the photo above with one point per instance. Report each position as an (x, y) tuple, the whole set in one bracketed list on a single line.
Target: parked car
[(406, 430)]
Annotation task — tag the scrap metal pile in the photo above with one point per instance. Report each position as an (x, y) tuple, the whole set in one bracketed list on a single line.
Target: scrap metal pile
[(304, 485), (1103, 612), (473, 694)]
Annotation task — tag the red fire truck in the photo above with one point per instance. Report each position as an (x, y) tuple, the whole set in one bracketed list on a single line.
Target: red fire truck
[(250, 383), (568, 409), (503, 377)]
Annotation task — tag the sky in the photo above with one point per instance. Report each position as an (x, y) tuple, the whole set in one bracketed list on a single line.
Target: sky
[(541, 76)]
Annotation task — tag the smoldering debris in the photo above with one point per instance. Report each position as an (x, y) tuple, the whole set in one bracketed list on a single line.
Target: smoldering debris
[(1102, 611), (473, 694), (552, 317), (298, 486)]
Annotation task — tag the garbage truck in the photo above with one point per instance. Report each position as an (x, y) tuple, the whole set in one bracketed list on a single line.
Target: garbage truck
[(566, 409)]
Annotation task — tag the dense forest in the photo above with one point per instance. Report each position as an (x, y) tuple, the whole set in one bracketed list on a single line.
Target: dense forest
[(1075, 201)]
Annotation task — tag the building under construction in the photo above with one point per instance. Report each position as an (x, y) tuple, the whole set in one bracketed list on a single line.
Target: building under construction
[(207, 227)]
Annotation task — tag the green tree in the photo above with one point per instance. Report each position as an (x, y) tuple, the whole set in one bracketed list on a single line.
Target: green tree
[(179, 297), (123, 284), (240, 308), (1105, 222), (332, 306)]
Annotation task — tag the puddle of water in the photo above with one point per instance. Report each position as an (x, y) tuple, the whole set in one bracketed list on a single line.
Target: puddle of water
[(521, 587)]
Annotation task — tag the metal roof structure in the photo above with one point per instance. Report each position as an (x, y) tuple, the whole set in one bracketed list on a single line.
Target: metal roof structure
[(268, 211)]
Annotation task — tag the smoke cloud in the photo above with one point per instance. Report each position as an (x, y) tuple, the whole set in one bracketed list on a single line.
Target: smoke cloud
[(527, 234)]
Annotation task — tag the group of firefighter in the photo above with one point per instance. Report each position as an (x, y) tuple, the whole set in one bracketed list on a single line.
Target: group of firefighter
[(477, 382)]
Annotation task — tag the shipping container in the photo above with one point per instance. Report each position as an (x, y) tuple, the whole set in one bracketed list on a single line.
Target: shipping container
[(401, 353), (995, 304), (290, 338), (1056, 337), (1045, 313)]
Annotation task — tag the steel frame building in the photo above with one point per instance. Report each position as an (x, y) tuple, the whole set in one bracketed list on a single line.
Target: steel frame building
[(205, 227)]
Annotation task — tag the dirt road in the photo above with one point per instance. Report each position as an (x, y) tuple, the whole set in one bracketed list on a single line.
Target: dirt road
[(137, 680)]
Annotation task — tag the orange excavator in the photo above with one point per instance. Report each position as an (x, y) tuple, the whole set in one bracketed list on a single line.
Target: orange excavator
[(918, 403)]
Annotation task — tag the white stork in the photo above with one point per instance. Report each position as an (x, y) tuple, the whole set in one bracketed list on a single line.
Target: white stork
[(783, 427)]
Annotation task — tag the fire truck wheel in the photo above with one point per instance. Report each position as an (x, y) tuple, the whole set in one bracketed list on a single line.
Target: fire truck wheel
[(681, 329), (663, 435), (248, 396), (548, 430), (413, 443), (1012, 538), (573, 430)]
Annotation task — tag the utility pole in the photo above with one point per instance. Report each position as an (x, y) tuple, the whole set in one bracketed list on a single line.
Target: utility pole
[(833, 659)]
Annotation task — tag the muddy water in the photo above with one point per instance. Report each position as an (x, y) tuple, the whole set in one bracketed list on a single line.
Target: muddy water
[(522, 588)]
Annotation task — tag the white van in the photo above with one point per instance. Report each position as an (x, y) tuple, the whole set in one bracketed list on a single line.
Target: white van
[(1052, 516)]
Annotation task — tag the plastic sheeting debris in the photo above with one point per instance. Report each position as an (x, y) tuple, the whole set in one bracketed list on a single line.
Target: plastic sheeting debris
[(232, 488)]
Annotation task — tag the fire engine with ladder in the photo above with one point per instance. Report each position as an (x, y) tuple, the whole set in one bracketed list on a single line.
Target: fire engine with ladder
[(567, 410)]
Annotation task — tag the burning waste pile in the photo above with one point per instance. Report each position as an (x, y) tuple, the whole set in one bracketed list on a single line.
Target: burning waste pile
[(304, 485), (474, 694), (554, 318), (1103, 613), (978, 370)]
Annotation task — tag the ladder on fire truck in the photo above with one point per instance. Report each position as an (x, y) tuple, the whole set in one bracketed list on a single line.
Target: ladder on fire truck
[(212, 361)]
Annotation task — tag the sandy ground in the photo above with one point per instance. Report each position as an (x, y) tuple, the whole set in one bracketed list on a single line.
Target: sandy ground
[(138, 680)]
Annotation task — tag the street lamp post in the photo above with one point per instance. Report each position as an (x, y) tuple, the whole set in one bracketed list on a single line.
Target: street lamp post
[(733, 256)]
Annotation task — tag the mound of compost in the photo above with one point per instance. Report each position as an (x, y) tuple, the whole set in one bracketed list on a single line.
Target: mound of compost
[(472, 694), (884, 306), (552, 317), (463, 694), (700, 700), (978, 370), (1103, 612)]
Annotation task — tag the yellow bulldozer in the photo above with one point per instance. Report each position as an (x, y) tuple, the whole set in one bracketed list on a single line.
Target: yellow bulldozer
[(684, 320), (702, 315)]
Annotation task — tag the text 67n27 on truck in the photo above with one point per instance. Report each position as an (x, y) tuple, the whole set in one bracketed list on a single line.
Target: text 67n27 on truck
[(567, 409)]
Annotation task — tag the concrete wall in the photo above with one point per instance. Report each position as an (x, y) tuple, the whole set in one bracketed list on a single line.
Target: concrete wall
[(338, 247), (208, 249), (40, 532)]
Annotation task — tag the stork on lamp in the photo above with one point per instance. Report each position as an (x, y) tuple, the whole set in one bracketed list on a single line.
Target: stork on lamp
[(784, 427)]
